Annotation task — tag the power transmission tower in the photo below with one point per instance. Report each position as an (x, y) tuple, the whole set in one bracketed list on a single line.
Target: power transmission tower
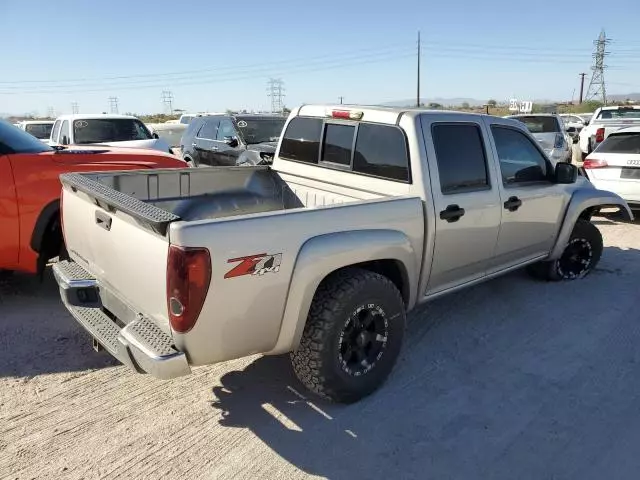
[(597, 86), (167, 100), (75, 108), (51, 112), (113, 104), (582, 75), (275, 90)]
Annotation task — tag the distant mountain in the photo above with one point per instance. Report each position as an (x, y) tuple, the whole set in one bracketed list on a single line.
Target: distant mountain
[(622, 97), (442, 101)]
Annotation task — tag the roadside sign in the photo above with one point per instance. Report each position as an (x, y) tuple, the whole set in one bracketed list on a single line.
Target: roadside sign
[(517, 106)]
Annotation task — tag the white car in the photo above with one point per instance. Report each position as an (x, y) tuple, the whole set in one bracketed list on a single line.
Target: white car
[(574, 120), (105, 129), (550, 132), (615, 165), (605, 121), (41, 129)]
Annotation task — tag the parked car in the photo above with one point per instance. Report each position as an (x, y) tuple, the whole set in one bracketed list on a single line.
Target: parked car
[(366, 212), (30, 191), (615, 165), (605, 121), (549, 130), (219, 140), (105, 129), (41, 129), (573, 120), (170, 133)]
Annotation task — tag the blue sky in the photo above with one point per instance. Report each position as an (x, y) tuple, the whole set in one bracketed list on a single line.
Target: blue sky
[(214, 55)]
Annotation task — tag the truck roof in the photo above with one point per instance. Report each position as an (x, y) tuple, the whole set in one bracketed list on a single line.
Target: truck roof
[(94, 116), (35, 122), (623, 107), (375, 113)]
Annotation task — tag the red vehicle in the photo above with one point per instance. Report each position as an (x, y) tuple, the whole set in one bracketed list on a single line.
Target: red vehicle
[(30, 230)]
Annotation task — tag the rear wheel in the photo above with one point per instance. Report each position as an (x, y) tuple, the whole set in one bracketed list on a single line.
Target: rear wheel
[(580, 256), (352, 337)]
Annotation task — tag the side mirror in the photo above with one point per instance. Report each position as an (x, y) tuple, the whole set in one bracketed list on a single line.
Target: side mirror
[(565, 173), (571, 130), (155, 135), (231, 141)]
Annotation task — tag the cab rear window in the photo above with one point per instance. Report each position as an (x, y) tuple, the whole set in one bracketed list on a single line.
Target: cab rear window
[(366, 148), (620, 143)]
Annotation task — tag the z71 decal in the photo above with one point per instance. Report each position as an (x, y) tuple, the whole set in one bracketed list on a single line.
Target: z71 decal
[(255, 265)]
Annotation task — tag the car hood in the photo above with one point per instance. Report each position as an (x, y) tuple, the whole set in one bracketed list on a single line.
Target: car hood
[(266, 147), (154, 144)]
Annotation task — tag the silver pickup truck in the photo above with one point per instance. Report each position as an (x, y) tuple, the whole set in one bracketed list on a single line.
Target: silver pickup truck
[(365, 213)]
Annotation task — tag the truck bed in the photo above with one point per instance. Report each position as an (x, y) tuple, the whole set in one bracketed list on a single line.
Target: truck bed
[(160, 197)]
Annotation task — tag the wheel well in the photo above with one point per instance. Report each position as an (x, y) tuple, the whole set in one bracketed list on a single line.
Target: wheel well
[(587, 213), (392, 269)]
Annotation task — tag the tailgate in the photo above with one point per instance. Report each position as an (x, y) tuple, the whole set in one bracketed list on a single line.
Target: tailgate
[(106, 233)]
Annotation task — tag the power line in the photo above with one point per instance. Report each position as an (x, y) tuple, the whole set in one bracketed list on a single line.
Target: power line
[(597, 86), (275, 90), (113, 104)]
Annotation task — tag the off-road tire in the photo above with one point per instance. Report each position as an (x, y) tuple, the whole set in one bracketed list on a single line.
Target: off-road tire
[(318, 363), (584, 232)]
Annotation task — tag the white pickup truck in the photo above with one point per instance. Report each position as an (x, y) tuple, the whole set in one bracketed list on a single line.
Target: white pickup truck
[(365, 213), (606, 120)]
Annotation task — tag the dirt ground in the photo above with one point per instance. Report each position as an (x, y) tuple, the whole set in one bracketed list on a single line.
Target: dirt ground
[(511, 379)]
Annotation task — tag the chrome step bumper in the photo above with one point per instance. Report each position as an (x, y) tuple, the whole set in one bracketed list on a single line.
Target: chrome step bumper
[(141, 344)]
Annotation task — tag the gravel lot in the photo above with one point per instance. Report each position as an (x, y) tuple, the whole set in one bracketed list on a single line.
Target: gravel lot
[(511, 379)]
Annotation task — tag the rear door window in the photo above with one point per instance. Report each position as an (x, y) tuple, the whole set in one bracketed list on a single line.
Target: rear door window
[(338, 143), (460, 154), (381, 150), (301, 141)]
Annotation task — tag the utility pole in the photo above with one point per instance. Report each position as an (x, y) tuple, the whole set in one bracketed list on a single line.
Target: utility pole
[(167, 100), (113, 104), (582, 75), (75, 108), (418, 80), (340, 99), (275, 90), (597, 86)]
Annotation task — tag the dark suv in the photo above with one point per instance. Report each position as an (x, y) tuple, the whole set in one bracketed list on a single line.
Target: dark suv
[(223, 140)]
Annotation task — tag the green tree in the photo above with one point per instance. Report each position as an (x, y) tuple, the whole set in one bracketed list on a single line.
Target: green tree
[(434, 106), (492, 103), (465, 105)]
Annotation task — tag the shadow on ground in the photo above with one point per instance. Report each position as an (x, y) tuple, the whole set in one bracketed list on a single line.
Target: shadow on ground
[(540, 384), (37, 334)]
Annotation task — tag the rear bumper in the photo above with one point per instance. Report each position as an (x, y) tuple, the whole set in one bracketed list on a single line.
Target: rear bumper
[(140, 344), (628, 190)]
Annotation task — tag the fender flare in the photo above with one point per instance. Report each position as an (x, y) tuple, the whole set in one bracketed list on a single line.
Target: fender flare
[(322, 255), (581, 200), (46, 215)]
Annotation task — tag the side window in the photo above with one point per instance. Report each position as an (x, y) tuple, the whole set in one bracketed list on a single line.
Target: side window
[(209, 130), (301, 140), (460, 154), (65, 133), (226, 129), (56, 130), (337, 144), (381, 150), (520, 160)]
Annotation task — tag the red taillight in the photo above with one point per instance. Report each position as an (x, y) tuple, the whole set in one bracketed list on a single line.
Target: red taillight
[(188, 278), (594, 163), (600, 135)]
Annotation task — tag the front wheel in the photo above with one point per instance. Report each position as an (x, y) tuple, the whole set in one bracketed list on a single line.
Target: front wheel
[(580, 256), (352, 337)]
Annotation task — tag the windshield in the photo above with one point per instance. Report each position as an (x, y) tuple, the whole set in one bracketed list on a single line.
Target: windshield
[(19, 141), (39, 130), (260, 130), (620, 143), (109, 130), (623, 113), (540, 124)]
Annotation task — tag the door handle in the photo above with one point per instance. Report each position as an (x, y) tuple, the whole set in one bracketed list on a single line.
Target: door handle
[(103, 220), (452, 213), (513, 204)]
